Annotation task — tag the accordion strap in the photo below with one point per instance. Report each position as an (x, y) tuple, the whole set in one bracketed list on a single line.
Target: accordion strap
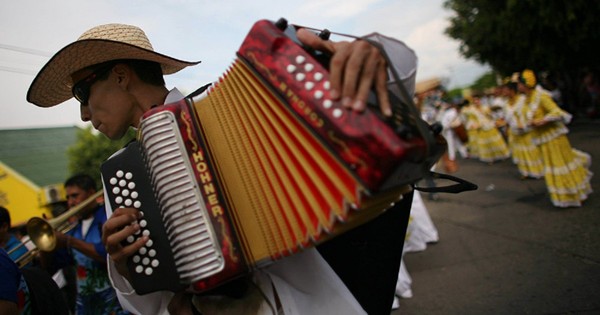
[(199, 90)]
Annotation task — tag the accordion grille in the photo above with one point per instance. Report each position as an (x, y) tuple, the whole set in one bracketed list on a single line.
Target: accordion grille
[(196, 253)]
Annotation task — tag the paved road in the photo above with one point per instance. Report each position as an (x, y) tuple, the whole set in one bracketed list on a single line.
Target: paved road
[(504, 249)]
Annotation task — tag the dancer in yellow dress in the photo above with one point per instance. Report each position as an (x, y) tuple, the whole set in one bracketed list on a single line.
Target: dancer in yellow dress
[(566, 171), (525, 154), (485, 140)]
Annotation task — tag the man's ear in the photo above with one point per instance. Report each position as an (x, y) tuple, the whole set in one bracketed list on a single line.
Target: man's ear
[(122, 73)]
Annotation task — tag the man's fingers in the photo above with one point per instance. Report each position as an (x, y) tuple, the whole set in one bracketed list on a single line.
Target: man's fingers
[(383, 98), (338, 75), (122, 224), (313, 41), (368, 65), (355, 69)]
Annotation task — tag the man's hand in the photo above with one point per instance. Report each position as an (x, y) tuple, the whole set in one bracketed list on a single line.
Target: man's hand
[(121, 224), (356, 67)]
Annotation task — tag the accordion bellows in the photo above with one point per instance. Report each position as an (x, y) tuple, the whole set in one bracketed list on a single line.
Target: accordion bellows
[(262, 167), (287, 189)]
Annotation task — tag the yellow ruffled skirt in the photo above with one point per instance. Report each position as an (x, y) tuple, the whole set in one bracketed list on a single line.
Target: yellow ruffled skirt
[(526, 155), (490, 145), (567, 173)]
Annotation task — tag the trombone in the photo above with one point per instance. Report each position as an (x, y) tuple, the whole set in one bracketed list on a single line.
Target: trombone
[(43, 232)]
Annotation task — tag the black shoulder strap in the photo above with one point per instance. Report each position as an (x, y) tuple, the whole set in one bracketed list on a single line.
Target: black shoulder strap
[(200, 90)]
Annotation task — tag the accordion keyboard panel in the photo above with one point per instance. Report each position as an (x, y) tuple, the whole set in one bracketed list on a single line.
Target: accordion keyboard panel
[(127, 184)]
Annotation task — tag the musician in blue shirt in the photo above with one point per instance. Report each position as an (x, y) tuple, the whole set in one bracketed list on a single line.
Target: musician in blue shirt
[(8, 240), (95, 294), (113, 71)]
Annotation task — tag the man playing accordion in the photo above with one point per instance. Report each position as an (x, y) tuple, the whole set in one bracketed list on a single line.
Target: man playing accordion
[(113, 71)]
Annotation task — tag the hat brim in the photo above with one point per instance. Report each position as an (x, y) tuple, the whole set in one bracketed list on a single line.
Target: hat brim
[(52, 85)]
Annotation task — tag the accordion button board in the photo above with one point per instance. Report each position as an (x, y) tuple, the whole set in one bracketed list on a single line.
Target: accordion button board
[(125, 180)]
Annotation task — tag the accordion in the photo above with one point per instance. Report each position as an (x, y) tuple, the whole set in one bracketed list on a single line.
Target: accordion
[(263, 167)]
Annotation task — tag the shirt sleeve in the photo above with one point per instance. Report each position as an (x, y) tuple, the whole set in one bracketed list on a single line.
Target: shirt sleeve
[(151, 303), (306, 284)]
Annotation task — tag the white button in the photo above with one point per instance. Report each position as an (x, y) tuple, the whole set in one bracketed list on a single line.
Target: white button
[(337, 113), (152, 253), (300, 76), (309, 67), (327, 103), (318, 94), (131, 185), (309, 85), (300, 59), (291, 68), (116, 190), (125, 193), (122, 183), (119, 200), (139, 269), (134, 194), (128, 202), (143, 223), (149, 243), (143, 251), (130, 239), (149, 271), (146, 233), (145, 261), (327, 85), (128, 175), (136, 259), (318, 76), (154, 263), (137, 204), (120, 173)]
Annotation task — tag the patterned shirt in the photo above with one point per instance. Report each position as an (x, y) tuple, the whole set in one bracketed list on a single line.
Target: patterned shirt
[(95, 294)]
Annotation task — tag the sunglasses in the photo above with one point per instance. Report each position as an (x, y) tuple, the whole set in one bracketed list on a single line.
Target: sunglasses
[(81, 89)]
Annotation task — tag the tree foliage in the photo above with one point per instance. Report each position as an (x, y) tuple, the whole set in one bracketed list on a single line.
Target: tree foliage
[(91, 149), (511, 35)]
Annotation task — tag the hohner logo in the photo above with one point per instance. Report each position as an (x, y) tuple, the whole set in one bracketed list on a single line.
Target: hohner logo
[(208, 185)]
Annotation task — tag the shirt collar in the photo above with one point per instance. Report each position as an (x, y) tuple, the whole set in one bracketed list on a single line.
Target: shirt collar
[(174, 96)]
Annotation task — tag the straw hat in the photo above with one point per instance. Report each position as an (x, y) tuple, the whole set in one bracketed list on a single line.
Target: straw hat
[(53, 83)]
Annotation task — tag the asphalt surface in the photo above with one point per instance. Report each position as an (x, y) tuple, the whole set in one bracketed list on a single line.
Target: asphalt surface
[(504, 249)]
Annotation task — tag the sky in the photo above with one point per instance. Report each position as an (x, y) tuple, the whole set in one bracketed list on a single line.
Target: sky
[(31, 31)]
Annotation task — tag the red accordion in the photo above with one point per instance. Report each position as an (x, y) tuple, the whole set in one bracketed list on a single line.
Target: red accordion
[(262, 167)]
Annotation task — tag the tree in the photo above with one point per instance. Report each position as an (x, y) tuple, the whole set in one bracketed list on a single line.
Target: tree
[(91, 149), (511, 35)]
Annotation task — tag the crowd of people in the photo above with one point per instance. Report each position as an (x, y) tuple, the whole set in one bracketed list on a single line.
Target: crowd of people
[(71, 277), (520, 120)]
